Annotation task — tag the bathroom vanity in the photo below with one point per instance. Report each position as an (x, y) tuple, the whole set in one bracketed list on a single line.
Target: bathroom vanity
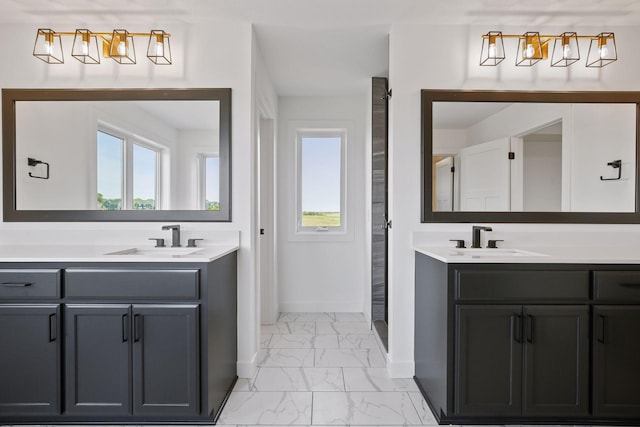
[(528, 338), (89, 337)]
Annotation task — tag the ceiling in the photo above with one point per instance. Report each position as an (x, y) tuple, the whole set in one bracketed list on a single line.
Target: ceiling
[(326, 47)]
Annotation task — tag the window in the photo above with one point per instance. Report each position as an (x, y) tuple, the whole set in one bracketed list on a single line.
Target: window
[(127, 172), (320, 180), (209, 182)]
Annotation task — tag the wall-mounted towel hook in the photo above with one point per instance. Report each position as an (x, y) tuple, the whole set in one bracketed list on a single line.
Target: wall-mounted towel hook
[(616, 164), (33, 162)]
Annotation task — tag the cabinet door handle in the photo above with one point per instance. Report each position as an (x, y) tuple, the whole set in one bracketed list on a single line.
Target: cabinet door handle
[(125, 327), (516, 326), (15, 285), (530, 328), (600, 328), (53, 327), (137, 328)]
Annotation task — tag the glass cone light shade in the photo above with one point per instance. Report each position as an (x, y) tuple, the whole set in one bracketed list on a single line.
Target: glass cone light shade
[(530, 49), (492, 52), (85, 47), (48, 47), (602, 51), (121, 48), (565, 50), (159, 49)]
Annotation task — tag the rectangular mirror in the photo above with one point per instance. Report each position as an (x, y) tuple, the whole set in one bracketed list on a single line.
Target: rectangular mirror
[(530, 156), (116, 154)]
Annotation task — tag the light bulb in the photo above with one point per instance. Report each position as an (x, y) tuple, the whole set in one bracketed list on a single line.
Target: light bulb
[(492, 50), (47, 47), (529, 52), (159, 49), (84, 48), (566, 51), (122, 48), (604, 51)]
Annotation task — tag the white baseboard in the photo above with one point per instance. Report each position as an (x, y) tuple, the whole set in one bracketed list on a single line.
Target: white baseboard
[(248, 369), (320, 306), (400, 369)]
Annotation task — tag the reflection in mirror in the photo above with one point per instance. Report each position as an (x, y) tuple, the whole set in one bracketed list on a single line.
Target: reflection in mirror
[(533, 157), (116, 154), (119, 155)]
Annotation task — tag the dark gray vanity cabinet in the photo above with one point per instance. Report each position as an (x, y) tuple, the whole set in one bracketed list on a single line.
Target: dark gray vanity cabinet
[(30, 342), (98, 354), (146, 352), (528, 343), (117, 343), (29, 359), (616, 343)]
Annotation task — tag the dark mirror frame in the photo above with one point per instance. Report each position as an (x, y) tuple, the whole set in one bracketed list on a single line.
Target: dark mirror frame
[(428, 97), (11, 96)]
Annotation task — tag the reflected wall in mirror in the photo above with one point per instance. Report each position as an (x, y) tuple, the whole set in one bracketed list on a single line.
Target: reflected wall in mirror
[(530, 156), (117, 154)]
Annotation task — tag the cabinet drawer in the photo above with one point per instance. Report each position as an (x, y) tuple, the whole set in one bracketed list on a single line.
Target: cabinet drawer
[(131, 283), (617, 285), (521, 285), (26, 284)]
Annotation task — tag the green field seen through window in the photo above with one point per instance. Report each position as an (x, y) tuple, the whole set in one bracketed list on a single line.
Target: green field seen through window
[(321, 219)]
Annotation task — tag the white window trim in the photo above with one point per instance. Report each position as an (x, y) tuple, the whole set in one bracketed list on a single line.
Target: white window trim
[(305, 128), (201, 170), (130, 140)]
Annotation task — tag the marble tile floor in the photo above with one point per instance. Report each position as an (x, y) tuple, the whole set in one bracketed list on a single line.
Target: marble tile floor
[(323, 369)]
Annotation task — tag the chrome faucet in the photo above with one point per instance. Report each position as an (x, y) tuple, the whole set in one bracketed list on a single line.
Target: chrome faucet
[(475, 238), (175, 235)]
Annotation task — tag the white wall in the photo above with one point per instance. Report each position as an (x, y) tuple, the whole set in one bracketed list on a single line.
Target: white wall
[(212, 54), (454, 65), (542, 174), (322, 275)]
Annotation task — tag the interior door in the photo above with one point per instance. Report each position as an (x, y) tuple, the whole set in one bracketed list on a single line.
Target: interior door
[(379, 212), (444, 185), (485, 176)]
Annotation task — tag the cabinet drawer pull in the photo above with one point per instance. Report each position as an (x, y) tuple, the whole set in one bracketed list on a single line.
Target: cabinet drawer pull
[(630, 285), (125, 327), (516, 327), (137, 328), (53, 327), (530, 328), (15, 285), (600, 328)]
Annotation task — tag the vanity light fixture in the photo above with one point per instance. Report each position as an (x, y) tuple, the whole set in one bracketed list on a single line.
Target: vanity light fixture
[(533, 47), (117, 45)]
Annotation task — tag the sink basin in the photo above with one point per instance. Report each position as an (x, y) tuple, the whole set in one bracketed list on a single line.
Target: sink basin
[(493, 253), (157, 252)]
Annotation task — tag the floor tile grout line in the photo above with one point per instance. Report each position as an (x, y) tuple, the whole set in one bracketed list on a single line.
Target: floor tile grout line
[(414, 407)]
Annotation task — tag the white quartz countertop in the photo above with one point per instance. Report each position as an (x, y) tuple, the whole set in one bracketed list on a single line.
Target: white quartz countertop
[(114, 253), (536, 255)]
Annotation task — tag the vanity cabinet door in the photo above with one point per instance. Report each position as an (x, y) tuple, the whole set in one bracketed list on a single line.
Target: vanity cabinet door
[(616, 368), (166, 373), (29, 359), (488, 361), (556, 358), (98, 359)]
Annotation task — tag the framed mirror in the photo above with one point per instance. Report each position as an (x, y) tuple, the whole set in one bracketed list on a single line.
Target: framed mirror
[(503, 156), (116, 154)]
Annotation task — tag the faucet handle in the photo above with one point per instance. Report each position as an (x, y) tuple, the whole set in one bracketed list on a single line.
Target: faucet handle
[(191, 243), (459, 243), (491, 244), (159, 242)]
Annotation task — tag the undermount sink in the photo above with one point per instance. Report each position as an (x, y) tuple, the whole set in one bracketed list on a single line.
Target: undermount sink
[(157, 252), (492, 253)]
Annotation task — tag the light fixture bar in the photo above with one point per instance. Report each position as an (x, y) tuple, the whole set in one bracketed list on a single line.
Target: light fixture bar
[(117, 45), (534, 47)]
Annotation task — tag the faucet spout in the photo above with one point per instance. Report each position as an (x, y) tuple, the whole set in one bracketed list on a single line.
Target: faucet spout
[(175, 234), (475, 238)]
